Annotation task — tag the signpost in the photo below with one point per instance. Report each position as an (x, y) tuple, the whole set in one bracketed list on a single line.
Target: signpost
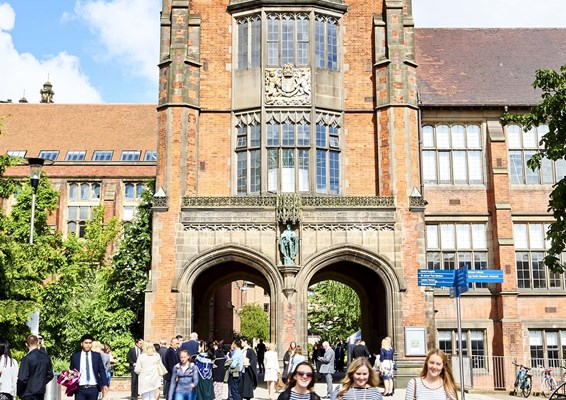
[(459, 282)]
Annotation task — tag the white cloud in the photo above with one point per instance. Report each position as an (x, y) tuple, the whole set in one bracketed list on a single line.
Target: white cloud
[(23, 72), (490, 13), (129, 35)]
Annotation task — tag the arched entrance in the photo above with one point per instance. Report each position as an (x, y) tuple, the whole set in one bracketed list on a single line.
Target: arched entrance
[(203, 308), (371, 276)]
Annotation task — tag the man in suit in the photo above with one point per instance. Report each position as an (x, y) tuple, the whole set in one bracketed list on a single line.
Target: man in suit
[(132, 358), (170, 359), (93, 375), (191, 345), (327, 367), (35, 372)]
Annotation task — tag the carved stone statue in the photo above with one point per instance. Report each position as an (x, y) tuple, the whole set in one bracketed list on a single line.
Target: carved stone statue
[(47, 93), (289, 246)]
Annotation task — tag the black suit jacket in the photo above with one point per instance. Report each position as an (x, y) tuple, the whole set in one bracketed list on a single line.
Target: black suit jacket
[(132, 358), (170, 359), (35, 373), (97, 367)]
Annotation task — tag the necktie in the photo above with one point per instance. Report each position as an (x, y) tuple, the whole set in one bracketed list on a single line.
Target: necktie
[(87, 369)]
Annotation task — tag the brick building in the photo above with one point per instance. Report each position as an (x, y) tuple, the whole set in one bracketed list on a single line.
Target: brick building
[(326, 139)]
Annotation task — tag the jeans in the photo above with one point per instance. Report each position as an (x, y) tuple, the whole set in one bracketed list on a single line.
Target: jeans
[(183, 396), (234, 387)]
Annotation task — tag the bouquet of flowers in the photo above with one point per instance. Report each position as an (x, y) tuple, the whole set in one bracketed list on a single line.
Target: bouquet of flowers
[(69, 379)]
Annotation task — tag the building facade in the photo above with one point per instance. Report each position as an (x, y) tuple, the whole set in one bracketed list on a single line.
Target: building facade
[(300, 141)]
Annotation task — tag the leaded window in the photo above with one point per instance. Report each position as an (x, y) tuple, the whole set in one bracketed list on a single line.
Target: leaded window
[(547, 347), (473, 344), (249, 42), (453, 246), (132, 196), (326, 42), (287, 152), (287, 39), (82, 198), (452, 154), (522, 146), (49, 154), (530, 249)]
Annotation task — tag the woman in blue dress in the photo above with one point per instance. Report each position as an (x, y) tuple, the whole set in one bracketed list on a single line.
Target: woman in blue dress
[(386, 358)]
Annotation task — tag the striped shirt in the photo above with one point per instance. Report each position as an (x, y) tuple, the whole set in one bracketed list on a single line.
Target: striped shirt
[(298, 396), (370, 393), (425, 393)]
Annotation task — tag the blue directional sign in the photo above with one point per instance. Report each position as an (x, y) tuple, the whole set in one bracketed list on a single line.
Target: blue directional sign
[(461, 283), (436, 277), (485, 276)]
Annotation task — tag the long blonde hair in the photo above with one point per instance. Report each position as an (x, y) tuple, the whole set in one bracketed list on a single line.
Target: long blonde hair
[(148, 348), (386, 343), (348, 381), (445, 374)]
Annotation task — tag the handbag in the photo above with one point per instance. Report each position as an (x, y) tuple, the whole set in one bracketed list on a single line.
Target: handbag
[(394, 366), (161, 370), (279, 384)]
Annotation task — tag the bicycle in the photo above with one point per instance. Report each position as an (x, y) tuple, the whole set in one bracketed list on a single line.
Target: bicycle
[(523, 381), (547, 384)]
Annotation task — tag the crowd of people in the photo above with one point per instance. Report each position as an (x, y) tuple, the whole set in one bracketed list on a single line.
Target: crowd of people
[(198, 370)]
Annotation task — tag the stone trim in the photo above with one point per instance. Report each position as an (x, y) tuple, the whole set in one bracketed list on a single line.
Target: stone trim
[(306, 201), (348, 227), (202, 227)]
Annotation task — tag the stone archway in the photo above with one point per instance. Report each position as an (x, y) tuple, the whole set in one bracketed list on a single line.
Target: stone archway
[(372, 277), (210, 270)]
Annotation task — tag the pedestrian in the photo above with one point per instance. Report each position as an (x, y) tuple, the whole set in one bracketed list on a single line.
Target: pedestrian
[(297, 358), (132, 358), (192, 345), (360, 382), (107, 350), (97, 348), (219, 370), (287, 360), (235, 370), (327, 367), (184, 378), (300, 384), (271, 370), (146, 368), (35, 372), (162, 347), (8, 372), (387, 366), (204, 364), (92, 381), (260, 351), (170, 359), (248, 381), (360, 350), (435, 382)]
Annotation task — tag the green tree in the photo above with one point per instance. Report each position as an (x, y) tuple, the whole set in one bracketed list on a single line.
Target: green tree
[(254, 322), (334, 310), (550, 111), (131, 263)]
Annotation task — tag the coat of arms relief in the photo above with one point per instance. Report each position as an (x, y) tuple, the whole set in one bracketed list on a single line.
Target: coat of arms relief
[(287, 86)]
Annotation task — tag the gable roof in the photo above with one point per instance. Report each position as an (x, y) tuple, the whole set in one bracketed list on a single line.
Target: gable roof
[(485, 67)]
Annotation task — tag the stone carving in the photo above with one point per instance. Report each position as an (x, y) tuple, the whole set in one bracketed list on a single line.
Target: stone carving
[(289, 246), (203, 227), (348, 227), (287, 86), (288, 208), (306, 201)]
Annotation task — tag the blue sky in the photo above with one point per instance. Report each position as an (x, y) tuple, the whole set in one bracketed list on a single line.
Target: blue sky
[(74, 42)]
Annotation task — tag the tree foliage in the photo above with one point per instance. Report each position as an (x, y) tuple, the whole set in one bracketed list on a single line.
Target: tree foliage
[(334, 310), (550, 111), (254, 322)]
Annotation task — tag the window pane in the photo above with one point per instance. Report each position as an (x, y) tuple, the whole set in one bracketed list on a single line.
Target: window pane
[(255, 135), (535, 342), (465, 260), (474, 140), (536, 236), (73, 191), (478, 236), (272, 135), (432, 237), (85, 191), (520, 236), (444, 168), (516, 166), (560, 169), (128, 213), (447, 236), (272, 41), (243, 45), (443, 136), (288, 42), (319, 43), (523, 276), (458, 137), (140, 188), (129, 191), (432, 260), (530, 139), (302, 41), (334, 172), (332, 47), (303, 170), (448, 261), (460, 167), (288, 171), (320, 135), (84, 212), (255, 171), (321, 170), (272, 170), (428, 136), (475, 163), (514, 137), (242, 161), (255, 43), (288, 136), (95, 191), (463, 236), (546, 171), (532, 176), (429, 167), (303, 135), (539, 276)]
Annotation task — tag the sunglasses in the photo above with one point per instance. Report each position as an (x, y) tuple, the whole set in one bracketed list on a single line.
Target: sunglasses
[(305, 374)]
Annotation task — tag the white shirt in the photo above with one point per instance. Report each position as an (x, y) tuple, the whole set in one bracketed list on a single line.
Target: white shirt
[(8, 376), (83, 380)]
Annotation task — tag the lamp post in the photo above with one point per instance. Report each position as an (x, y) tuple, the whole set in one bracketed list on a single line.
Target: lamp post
[(35, 166)]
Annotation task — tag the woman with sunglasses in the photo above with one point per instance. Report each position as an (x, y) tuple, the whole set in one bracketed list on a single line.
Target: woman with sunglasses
[(360, 382), (300, 384)]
